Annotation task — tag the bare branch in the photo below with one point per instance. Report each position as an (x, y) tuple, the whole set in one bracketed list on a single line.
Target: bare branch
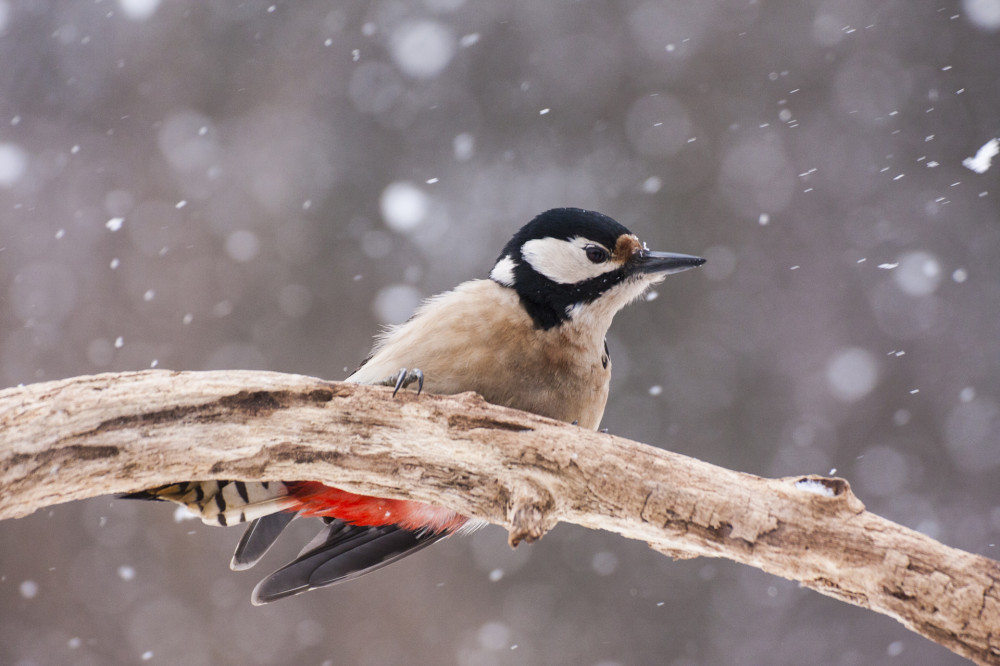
[(88, 436)]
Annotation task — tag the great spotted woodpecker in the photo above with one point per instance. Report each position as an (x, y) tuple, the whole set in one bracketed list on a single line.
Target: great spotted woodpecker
[(532, 337)]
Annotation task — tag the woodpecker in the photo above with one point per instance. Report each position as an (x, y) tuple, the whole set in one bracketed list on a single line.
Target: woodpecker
[(531, 337)]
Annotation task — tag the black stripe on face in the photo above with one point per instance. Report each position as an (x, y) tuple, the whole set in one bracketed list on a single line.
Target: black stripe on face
[(548, 302), (222, 520), (241, 488), (220, 501)]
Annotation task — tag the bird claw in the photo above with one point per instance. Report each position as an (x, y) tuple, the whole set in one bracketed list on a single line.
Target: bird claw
[(404, 378)]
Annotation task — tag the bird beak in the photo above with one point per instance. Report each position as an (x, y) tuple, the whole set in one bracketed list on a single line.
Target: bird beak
[(664, 263)]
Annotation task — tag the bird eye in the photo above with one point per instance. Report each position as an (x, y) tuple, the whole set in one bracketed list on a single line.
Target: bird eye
[(596, 254)]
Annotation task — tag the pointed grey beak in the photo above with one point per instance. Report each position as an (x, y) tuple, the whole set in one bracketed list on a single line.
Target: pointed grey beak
[(665, 262)]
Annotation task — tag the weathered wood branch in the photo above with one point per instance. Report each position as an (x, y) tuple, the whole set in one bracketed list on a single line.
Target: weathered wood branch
[(88, 436)]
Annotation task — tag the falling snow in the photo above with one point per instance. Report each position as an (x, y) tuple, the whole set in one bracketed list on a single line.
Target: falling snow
[(336, 163), (13, 164), (980, 163), (404, 206), (422, 49), (139, 10), (28, 589), (851, 374)]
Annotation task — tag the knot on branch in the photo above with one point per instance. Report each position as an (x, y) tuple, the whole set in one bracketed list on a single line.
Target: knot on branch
[(531, 514), (829, 488)]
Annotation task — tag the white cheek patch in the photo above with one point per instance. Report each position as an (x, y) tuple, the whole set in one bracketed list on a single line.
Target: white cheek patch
[(599, 313), (564, 261), (503, 272)]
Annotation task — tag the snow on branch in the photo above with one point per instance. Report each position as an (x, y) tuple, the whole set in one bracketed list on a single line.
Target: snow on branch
[(86, 436)]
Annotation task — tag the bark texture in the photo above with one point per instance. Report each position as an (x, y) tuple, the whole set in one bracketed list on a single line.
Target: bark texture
[(87, 436)]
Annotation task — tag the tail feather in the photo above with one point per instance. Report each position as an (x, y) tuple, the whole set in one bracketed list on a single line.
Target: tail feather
[(258, 538), (223, 502), (343, 552), (139, 495)]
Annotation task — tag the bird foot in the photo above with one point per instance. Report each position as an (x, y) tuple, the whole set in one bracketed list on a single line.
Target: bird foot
[(403, 379)]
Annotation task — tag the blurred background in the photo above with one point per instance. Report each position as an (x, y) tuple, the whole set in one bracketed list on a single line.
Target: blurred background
[(194, 186)]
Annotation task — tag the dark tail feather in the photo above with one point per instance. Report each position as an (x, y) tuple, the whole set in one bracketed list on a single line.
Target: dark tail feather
[(344, 552), (140, 495), (258, 538)]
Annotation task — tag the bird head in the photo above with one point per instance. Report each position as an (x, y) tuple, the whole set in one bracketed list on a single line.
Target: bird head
[(569, 264)]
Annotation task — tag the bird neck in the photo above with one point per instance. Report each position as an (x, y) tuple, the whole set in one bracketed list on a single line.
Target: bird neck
[(545, 315)]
